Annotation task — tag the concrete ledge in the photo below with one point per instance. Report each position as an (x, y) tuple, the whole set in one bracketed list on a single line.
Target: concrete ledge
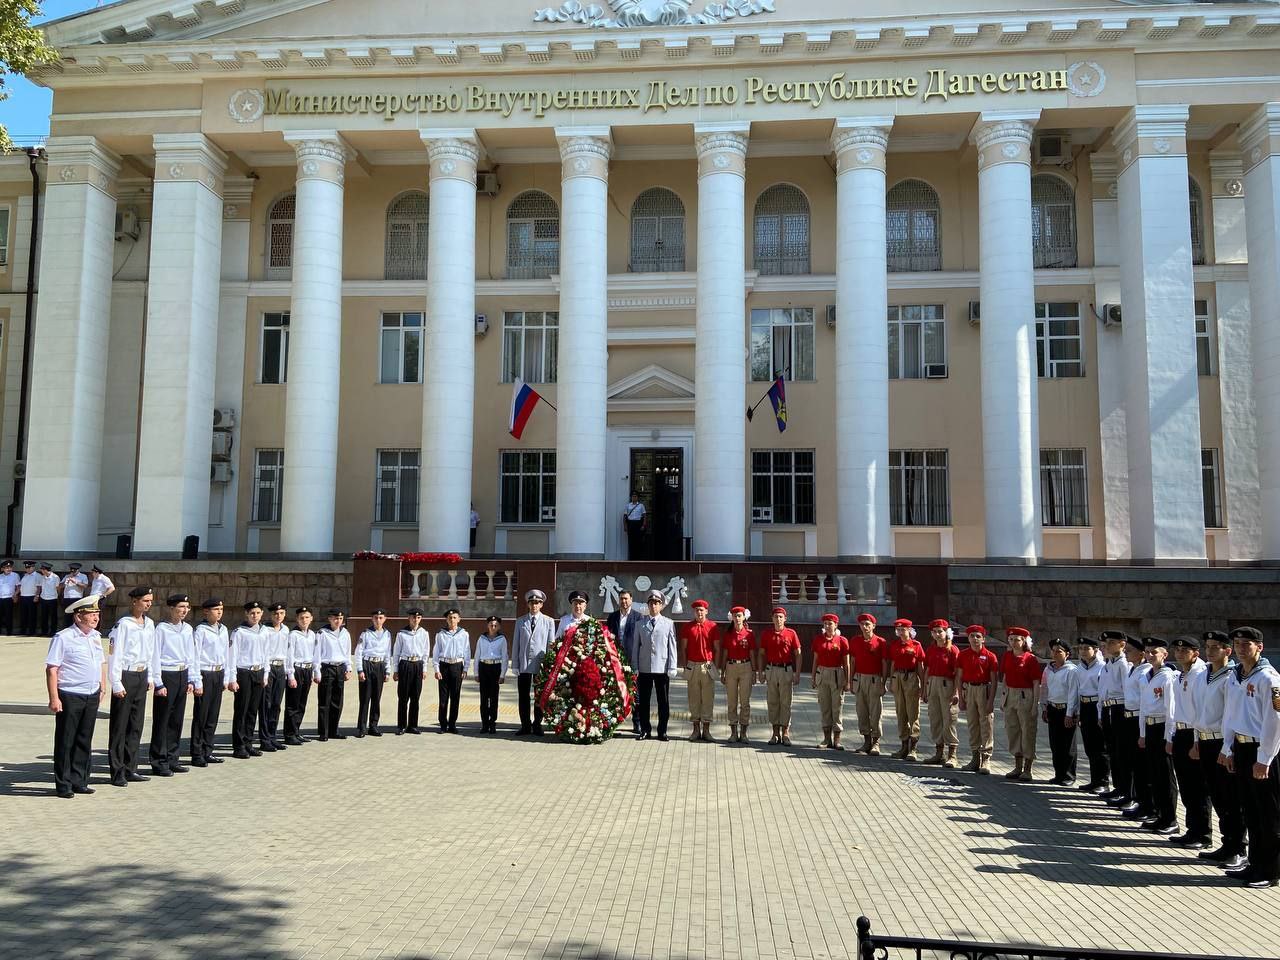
[(1112, 574)]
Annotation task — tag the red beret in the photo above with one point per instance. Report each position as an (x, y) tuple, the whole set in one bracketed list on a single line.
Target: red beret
[(781, 610), (976, 628), (902, 623), (866, 618), (737, 609), (699, 603), (1017, 632), (830, 616), (939, 623)]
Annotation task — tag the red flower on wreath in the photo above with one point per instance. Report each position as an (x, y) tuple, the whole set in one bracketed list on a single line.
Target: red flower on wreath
[(587, 682)]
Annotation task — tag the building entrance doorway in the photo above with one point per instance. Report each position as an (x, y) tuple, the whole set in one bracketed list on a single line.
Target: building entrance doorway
[(657, 475)]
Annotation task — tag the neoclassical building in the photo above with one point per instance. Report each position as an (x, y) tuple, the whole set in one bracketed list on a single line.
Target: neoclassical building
[(1017, 269)]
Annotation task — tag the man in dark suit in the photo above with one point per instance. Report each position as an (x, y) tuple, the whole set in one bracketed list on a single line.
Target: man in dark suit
[(623, 623)]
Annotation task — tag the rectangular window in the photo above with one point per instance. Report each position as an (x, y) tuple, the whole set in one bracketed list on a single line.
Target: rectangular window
[(1059, 346), (1204, 340), (401, 348), (4, 236), (397, 493), (275, 347), (528, 493), (1212, 479), (919, 488), (1064, 490), (782, 343), (782, 486), (917, 342), (529, 342), (268, 485)]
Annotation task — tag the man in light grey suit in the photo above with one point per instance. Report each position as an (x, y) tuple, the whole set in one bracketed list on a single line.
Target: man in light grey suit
[(624, 624), (534, 631), (656, 661)]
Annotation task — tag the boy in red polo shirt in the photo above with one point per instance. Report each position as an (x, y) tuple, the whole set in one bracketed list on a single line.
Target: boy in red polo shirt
[(906, 659), (867, 651), (976, 680), (831, 678), (941, 661), (698, 645), (781, 649), (738, 659), (1021, 671)]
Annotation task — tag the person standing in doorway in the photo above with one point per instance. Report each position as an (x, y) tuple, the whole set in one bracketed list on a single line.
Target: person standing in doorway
[(633, 515), (474, 521)]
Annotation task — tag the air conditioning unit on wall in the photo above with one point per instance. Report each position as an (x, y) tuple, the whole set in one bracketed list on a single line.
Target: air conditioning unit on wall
[(487, 184), (220, 472), (1110, 314)]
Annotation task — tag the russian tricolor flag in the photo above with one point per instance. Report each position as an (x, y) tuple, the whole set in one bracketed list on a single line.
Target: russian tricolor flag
[(523, 399)]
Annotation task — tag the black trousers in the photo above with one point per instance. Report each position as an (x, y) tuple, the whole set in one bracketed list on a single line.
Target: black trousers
[(272, 700), (295, 701), (128, 714), (1139, 773), (1261, 802), (408, 694), (333, 678), (488, 674), (1062, 743), (28, 615), (1095, 746), (635, 540), (1164, 789), (167, 716), (244, 715), (1192, 786), (204, 715), (450, 686), (375, 675), (524, 683), (648, 683), (48, 617), (73, 739), (1224, 796), (6, 616)]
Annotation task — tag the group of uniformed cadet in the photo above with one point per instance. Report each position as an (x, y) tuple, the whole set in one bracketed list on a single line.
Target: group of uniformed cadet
[(34, 595)]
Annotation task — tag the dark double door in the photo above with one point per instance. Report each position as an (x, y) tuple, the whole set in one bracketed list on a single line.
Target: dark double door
[(657, 475)]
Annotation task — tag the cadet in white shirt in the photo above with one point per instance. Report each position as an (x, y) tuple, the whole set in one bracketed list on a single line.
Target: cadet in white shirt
[(452, 656), (1061, 698), (491, 671), (134, 670), (299, 667), (1156, 718), (29, 599), (73, 586), (373, 652), (102, 585), (213, 667), (1192, 787), (50, 586), (8, 590), (76, 675), (1211, 701), (413, 646), (275, 645), (1139, 805), (176, 649), (1092, 667), (1111, 692), (248, 661), (332, 671), (533, 634)]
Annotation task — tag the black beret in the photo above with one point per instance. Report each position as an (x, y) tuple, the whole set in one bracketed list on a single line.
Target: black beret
[(252, 605), (211, 603), (139, 592), (176, 598), (1187, 641), (413, 612), (1133, 642), (28, 563), (277, 606), (377, 610), (1086, 642), (301, 610), (1060, 644), (577, 595), (336, 612), (1112, 635), (1247, 633), (1152, 643), (1216, 636), (493, 618)]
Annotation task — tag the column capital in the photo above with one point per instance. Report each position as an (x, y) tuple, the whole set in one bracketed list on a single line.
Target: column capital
[(452, 154), (322, 154), (1004, 136), (584, 152), (860, 142), (1103, 170), (1259, 135), (189, 158), (237, 192), (721, 147), (82, 160), (1226, 170), (1153, 130)]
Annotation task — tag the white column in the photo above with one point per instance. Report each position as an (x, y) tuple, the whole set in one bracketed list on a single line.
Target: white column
[(444, 502), (1260, 145), (583, 357), (180, 352), (1010, 412), (315, 346), (64, 452), (862, 349), (720, 350), (1162, 407)]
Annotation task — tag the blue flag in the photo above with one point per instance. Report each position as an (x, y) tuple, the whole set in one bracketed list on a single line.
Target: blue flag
[(778, 397)]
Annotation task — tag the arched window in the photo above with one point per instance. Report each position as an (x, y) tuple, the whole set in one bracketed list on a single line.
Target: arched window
[(406, 254), (782, 231), (533, 236), (657, 232), (1053, 222), (913, 227), (1197, 220), (280, 238)]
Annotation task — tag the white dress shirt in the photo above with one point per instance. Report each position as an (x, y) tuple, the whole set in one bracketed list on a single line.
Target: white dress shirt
[(49, 584), (1091, 676), (633, 511), (534, 632), (102, 585), (567, 621), (9, 585), (373, 645), (1111, 686), (211, 644), (1062, 686), (1249, 712), (333, 647), (29, 585), (176, 648), (78, 657), (1185, 707), (1133, 679), (1211, 700), (247, 649), (300, 649), (412, 643), (74, 585), (133, 643), (453, 645), (1158, 693), (492, 648), (275, 642)]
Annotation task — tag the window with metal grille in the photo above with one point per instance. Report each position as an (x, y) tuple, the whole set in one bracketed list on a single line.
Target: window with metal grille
[(528, 486), (406, 254), (913, 225), (1059, 345), (782, 488), (268, 485), (1212, 479), (917, 342), (397, 493), (529, 344), (657, 232), (782, 231), (782, 343), (1197, 220), (1064, 489), (4, 235), (401, 348), (280, 238), (533, 236), (1204, 340), (1053, 222), (275, 348), (919, 488)]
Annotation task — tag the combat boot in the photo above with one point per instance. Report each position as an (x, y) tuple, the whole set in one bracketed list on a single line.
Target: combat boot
[(1016, 772), (983, 762), (974, 762), (911, 751), (936, 759), (1025, 776), (950, 762), (901, 753), (874, 749), (826, 736)]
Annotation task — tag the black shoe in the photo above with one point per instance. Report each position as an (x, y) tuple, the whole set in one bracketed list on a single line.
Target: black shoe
[(375, 732), (1133, 810), (1067, 782), (68, 794), (82, 790), (266, 747), (1239, 871), (302, 739), (199, 763), (1195, 843), (160, 772), (322, 739), (359, 734), (537, 730), (443, 728), (119, 781), (293, 741), (1165, 830), (1261, 884), (524, 732), (1119, 800), (663, 737), (134, 777), (240, 755), (338, 736), (1102, 790), (400, 731), (212, 759), (1088, 787), (1220, 855), (278, 744), (453, 728), (179, 768), (254, 753), (1236, 861), (414, 730)]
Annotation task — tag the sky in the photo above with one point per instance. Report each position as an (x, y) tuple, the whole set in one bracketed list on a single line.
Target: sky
[(26, 112)]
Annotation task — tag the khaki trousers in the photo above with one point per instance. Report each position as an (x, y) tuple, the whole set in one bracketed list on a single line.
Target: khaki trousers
[(1020, 721), (737, 687), (702, 691), (906, 703), (868, 698), (976, 699), (831, 682), (778, 692), (942, 712)]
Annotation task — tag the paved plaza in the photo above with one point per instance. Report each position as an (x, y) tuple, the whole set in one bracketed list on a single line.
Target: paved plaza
[(498, 846)]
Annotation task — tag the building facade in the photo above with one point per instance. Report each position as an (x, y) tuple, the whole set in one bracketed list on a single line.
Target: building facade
[(1018, 271)]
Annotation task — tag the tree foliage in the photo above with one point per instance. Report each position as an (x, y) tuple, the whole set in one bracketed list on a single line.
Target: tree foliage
[(22, 47)]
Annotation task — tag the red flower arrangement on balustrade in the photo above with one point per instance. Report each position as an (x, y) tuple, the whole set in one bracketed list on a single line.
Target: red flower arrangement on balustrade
[(414, 559), (586, 687)]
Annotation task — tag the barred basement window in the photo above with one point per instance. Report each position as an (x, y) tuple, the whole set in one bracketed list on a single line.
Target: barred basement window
[(782, 488), (397, 492), (1204, 340), (782, 231), (913, 222), (919, 488), (1197, 221), (280, 238), (268, 485), (782, 343), (406, 253), (1059, 345), (1211, 477), (1053, 222), (1064, 489), (529, 343), (657, 232), (917, 342), (401, 348), (533, 236), (528, 487), (275, 348)]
